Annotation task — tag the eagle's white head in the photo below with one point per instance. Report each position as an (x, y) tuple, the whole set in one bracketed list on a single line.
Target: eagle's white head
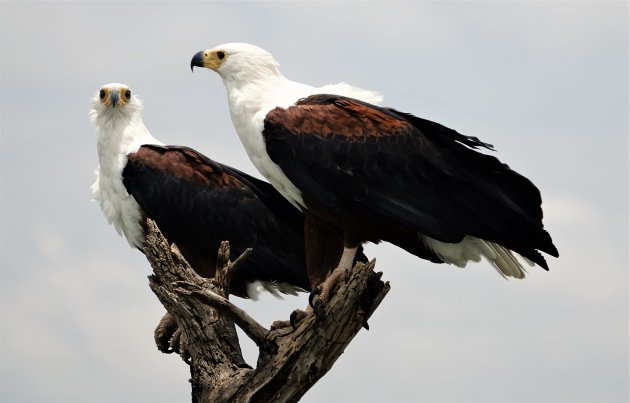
[(252, 75), (117, 114), (238, 61), (114, 102)]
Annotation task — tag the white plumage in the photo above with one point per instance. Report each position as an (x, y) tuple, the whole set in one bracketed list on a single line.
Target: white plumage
[(119, 131), (471, 249)]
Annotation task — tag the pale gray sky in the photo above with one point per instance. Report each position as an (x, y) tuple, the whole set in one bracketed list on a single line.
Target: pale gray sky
[(545, 82)]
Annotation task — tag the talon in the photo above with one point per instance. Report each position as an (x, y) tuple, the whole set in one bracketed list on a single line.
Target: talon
[(176, 341), (296, 317), (366, 325), (164, 332), (182, 348), (292, 319), (313, 294), (162, 343), (318, 307)]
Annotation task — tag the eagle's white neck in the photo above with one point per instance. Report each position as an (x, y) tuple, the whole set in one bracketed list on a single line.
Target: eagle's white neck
[(118, 134), (249, 102), (252, 93)]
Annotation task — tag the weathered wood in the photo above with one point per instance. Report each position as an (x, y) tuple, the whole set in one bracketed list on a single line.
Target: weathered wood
[(291, 360)]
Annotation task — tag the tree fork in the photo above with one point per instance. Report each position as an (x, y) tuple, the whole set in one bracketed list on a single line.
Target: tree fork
[(291, 360)]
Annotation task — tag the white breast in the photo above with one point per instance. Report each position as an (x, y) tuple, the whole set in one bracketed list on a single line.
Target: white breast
[(250, 134), (116, 140), (119, 208)]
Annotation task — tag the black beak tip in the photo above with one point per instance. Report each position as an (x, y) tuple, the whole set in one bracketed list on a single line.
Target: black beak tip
[(196, 61)]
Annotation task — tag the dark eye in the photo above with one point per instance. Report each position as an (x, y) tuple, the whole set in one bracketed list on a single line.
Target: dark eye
[(102, 94), (128, 94), (221, 55)]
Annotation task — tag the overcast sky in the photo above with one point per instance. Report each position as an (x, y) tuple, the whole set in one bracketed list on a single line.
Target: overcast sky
[(545, 82)]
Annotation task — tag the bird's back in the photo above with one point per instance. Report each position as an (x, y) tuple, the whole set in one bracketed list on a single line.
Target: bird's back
[(197, 203)]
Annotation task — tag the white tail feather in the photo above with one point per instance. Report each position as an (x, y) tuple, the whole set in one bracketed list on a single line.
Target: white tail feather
[(278, 290), (471, 249)]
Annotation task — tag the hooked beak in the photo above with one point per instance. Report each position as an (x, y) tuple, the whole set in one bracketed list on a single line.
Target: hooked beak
[(197, 60), (113, 97)]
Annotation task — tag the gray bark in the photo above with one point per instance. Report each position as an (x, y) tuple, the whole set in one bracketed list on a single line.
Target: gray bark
[(291, 360)]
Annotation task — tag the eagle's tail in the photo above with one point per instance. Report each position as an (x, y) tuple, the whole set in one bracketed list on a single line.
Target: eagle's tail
[(472, 249)]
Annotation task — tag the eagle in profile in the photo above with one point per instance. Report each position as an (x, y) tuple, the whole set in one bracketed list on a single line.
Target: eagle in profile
[(372, 173), (195, 201)]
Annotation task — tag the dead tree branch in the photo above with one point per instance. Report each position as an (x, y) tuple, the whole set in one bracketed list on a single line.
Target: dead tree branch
[(291, 360)]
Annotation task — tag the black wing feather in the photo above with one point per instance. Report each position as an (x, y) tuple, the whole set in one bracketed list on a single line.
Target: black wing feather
[(351, 156), (198, 203)]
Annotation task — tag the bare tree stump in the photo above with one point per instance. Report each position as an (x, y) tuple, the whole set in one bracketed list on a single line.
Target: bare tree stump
[(290, 360)]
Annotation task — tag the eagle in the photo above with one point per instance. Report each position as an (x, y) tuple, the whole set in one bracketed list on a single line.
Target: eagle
[(374, 173), (195, 201)]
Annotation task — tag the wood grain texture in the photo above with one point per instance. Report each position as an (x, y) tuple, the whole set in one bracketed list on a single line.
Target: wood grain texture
[(291, 360)]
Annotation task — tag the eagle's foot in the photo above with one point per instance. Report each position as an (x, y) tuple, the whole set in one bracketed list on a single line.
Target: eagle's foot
[(169, 337), (164, 333), (318, 306), (295, 318), (324, 292), (280, 324), (180, 345)]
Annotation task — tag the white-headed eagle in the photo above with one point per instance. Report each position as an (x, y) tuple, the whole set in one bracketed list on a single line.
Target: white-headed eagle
[(196, 202), (378, 174)]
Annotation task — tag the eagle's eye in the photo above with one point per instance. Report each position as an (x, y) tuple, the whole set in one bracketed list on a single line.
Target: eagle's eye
[(221, 55), (127, 94), (102, 94)]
